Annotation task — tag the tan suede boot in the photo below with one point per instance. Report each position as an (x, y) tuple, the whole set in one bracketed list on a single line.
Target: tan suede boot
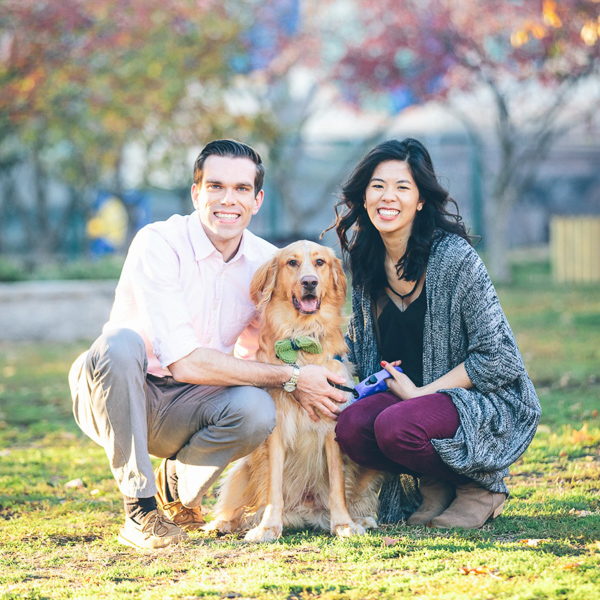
[(473, 506), (437, 495)]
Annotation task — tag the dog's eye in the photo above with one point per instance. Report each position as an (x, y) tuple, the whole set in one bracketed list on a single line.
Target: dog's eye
[(292, 262), (319, 262)]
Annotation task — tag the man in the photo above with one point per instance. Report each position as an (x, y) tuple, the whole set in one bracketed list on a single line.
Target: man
[(162, 380)]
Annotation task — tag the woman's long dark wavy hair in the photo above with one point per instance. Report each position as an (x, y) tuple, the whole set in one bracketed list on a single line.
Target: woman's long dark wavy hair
[(364, 251)]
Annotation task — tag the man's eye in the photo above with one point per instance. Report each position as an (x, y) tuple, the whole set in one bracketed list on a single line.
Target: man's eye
[(293, 263)]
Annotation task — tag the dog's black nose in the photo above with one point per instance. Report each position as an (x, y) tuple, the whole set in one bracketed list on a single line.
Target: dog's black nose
[(309, 283)]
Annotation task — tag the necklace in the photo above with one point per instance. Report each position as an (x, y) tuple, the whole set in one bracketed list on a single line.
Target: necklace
[(404, 296)]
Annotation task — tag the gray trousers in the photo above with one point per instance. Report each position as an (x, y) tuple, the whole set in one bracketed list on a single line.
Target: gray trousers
[(133, 415)]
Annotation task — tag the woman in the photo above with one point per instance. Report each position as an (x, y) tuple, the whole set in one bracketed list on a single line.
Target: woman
[(464, 408)]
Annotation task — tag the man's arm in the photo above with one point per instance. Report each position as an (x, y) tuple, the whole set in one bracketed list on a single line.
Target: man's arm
[(205, 366)]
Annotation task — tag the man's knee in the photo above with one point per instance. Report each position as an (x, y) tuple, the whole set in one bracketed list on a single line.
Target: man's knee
[(252, 413), (120, 350)]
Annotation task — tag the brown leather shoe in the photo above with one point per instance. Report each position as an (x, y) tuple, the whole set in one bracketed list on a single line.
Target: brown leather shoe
[(473, 506), (437, 496), (155, 531), (189, 519)]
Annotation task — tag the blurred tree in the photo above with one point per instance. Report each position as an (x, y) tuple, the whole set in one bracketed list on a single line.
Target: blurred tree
[(531, 58), (80, 82)]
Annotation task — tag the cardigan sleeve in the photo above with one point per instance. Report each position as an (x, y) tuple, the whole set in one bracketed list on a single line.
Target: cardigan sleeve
[(493, 357)]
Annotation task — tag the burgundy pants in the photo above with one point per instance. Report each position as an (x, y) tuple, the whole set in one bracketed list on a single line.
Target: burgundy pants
[(384, 433)]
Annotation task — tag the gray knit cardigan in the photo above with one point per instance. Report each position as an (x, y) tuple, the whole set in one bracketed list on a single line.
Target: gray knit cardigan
[(464, 323)]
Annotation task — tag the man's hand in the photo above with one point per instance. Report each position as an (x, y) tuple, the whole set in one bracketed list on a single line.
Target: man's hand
[(314, 392), (399, 383)]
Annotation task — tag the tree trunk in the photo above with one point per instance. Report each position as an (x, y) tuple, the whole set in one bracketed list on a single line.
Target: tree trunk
[(42, 245), (498, 263)]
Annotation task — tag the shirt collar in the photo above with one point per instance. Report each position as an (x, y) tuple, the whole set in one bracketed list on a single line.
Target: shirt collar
[(203, 247)]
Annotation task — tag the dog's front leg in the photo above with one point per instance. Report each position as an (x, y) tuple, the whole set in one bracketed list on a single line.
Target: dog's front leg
[(342, 524), (270, 527)]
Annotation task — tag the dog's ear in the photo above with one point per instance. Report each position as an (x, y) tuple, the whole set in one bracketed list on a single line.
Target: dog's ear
[(263, 282), (340, 283)]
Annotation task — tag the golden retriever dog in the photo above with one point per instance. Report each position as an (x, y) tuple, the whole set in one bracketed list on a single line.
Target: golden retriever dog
[(298, 476)]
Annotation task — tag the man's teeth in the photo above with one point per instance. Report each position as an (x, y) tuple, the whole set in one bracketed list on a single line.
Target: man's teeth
[(226, 216), (388, 213)]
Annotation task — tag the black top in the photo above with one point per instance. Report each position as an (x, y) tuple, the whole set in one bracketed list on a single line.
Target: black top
[(402, 336)]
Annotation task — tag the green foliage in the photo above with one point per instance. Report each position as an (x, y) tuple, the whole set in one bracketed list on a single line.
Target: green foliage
[(10, 271), (108, 267), (61, 543)]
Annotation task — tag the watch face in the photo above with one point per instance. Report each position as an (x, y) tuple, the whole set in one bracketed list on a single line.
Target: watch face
[(289, 387)]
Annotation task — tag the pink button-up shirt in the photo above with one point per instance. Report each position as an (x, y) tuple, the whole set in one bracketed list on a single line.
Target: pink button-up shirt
[(177, 292)]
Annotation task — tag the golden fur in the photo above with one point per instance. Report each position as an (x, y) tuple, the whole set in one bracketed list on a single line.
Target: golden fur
[(298, 476)]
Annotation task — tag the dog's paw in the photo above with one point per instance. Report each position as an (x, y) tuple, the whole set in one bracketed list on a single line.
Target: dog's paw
[(264, 534), (346, 530), (366, 522), (220, 526)]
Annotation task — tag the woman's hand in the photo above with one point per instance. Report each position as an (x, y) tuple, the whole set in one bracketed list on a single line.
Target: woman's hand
[(399, 383)]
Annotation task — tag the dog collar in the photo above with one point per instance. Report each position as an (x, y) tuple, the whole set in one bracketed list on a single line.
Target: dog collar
[(287, 349)]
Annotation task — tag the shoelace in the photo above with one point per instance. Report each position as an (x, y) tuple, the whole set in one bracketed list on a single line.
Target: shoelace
[(158, 528), (188, 514)]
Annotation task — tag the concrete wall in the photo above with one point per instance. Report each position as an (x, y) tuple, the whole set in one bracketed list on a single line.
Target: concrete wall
[(54, 310)]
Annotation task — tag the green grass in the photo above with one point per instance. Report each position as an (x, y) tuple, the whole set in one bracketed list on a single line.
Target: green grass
[(61, 543)]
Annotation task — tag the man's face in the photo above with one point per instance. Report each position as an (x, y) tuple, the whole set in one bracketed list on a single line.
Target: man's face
[(226, 200)]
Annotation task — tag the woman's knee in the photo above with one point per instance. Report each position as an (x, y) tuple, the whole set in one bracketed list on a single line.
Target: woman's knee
[(354, 432), (399, 437)]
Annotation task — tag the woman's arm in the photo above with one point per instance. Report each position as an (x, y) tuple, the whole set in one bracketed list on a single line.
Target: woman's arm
[(402, 386)]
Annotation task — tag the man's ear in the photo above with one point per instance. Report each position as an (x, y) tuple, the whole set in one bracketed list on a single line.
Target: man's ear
[(194, 193), (258, 201), (264, 281)]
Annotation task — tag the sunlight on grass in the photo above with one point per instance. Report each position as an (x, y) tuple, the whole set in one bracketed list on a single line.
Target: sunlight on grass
[(61, 543)]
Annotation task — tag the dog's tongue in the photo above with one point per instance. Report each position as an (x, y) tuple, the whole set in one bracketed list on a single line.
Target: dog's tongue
[(309, 304)]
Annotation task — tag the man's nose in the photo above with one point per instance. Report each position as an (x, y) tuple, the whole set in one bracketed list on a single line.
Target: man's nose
[(309, 283), (229, 197)]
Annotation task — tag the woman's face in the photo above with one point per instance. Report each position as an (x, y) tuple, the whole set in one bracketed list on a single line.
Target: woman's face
[(392, 198)]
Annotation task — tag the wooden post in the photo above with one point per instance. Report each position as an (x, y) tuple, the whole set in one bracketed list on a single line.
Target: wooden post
[(575, 248)]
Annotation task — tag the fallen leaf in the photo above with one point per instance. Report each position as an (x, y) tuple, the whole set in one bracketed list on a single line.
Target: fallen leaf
[(563, 453), (570, 566), (595, 414), (532, 542), (388, 541), (74, 484), (481, 570), (581, 513), (580, 436)]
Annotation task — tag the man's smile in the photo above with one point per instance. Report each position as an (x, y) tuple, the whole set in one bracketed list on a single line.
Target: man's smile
[(224, 216)]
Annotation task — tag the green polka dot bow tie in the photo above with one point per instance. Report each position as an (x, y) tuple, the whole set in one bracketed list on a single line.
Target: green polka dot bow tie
[(287, 350)]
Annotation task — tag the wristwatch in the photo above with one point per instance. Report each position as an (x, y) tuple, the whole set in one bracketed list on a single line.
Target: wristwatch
[(290, 386)]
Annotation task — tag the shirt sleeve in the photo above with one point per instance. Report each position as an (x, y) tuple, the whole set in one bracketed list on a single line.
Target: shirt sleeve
[(493, 357), (154, 271), (247, 344)]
